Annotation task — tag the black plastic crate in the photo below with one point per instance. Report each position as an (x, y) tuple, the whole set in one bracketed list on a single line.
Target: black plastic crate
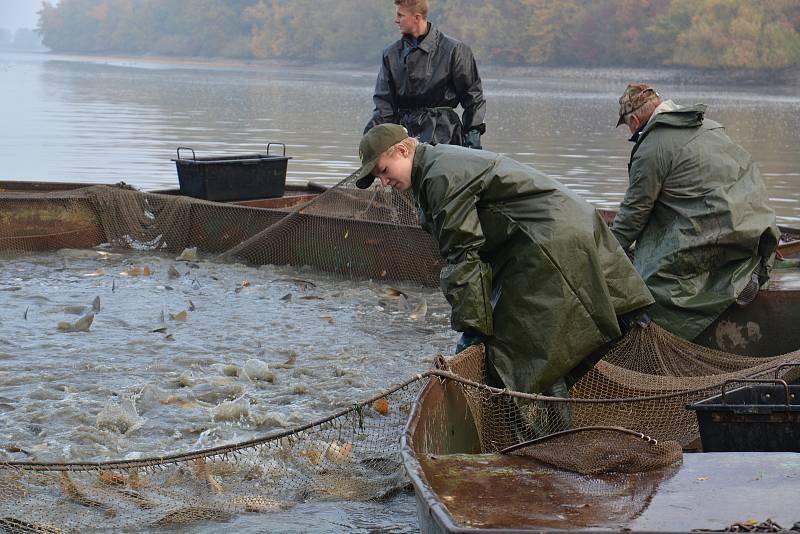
[(761, 416), (242, 177)]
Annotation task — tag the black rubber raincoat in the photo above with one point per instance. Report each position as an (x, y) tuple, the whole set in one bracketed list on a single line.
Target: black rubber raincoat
[(420, 87), (530, 263), (697, 209)]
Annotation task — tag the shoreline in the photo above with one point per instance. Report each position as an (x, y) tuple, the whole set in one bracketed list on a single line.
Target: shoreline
[(675, 74)]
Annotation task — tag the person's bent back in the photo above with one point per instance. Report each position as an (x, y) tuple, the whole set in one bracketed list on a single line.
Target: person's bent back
[(696, 209)]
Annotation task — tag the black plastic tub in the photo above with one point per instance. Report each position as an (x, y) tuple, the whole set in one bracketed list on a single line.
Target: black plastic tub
[(761, 416), (242, 177)]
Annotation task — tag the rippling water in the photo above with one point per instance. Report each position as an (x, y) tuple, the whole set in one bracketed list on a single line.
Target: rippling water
[(141, 382), (109, 119)]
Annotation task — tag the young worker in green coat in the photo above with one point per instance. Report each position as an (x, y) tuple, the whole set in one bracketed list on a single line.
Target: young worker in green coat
[(696, 207), (532, 270)]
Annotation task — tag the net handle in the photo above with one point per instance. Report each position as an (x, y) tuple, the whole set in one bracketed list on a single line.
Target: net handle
[(548, 437), (758, 381)]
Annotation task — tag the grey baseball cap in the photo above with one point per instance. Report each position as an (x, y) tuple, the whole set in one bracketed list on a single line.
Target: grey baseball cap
[(374, 143)]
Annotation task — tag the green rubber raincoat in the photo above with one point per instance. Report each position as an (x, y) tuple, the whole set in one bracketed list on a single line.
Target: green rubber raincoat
[(529, 263), (697, 209)]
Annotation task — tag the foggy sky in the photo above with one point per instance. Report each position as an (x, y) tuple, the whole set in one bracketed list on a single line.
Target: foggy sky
[(19, 13)]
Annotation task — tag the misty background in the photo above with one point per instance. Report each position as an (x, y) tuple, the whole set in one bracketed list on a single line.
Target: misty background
[(709, 34), (18, 21)]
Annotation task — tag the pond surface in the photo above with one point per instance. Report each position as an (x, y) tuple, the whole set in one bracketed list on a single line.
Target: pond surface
[(208, 355), (104, 120)]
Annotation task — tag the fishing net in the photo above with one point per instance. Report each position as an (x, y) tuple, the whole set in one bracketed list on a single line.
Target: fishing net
[(351, 455), (596, 450), (641, 386), (644, 383), (358, 234)]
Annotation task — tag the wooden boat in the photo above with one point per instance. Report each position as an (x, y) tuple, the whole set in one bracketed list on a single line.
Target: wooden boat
[(40, 216), (459, 490), (359, 246), (36, 222)]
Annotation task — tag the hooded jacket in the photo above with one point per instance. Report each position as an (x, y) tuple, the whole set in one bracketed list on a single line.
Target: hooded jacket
[(529, 263), (420, 88), (696, 206)]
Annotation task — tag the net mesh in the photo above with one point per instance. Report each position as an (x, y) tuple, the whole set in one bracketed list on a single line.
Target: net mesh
[(601, 450), (347, 231), (642, 385)]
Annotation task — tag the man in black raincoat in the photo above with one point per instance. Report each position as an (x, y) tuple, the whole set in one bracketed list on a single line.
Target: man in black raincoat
[(696, 207), (532, 269), (423, 77)]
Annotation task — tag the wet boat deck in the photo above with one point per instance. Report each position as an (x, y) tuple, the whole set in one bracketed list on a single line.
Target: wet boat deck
[(706, 491)]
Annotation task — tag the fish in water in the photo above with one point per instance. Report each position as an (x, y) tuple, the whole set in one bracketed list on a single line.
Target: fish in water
[(420, 311), (172, 272), (188, 254), (180, 316), (81, 325), (96, 304), (259, 503), (381, 406), (393, 292), (288, 364), (301, 284), (339, 453), (136, 271), (191, 306), (12, 524)]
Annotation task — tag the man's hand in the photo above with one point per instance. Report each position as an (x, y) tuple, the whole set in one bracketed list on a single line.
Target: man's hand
[(469, 339), (473, 139)]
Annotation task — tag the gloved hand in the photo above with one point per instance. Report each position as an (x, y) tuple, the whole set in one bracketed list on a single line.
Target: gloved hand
[(473, 139), (629, 321), (468, 339)]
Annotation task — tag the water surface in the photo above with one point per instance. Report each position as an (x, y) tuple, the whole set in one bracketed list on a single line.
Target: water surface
[(106, 120)]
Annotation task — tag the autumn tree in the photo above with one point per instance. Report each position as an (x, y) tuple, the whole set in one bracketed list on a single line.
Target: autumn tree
[(732, 33)]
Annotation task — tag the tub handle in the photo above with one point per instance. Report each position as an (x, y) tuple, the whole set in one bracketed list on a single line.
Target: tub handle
[(758, 381), (186, 148), (281, 144)]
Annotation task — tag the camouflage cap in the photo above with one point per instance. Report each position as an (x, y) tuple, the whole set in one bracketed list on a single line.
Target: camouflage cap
[(635, 96), (374, 143)]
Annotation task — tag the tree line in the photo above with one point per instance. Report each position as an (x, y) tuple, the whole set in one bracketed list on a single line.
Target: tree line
[(763, 34)]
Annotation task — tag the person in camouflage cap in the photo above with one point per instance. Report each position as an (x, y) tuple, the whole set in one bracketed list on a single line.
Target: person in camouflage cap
[(696, 208), (635, 96)]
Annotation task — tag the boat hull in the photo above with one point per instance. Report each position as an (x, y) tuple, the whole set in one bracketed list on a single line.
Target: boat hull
[(459, 490)]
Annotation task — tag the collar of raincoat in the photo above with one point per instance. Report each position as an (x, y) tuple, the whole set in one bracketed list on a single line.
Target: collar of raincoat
[(671, 114), (425, 42), (417, 169)]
